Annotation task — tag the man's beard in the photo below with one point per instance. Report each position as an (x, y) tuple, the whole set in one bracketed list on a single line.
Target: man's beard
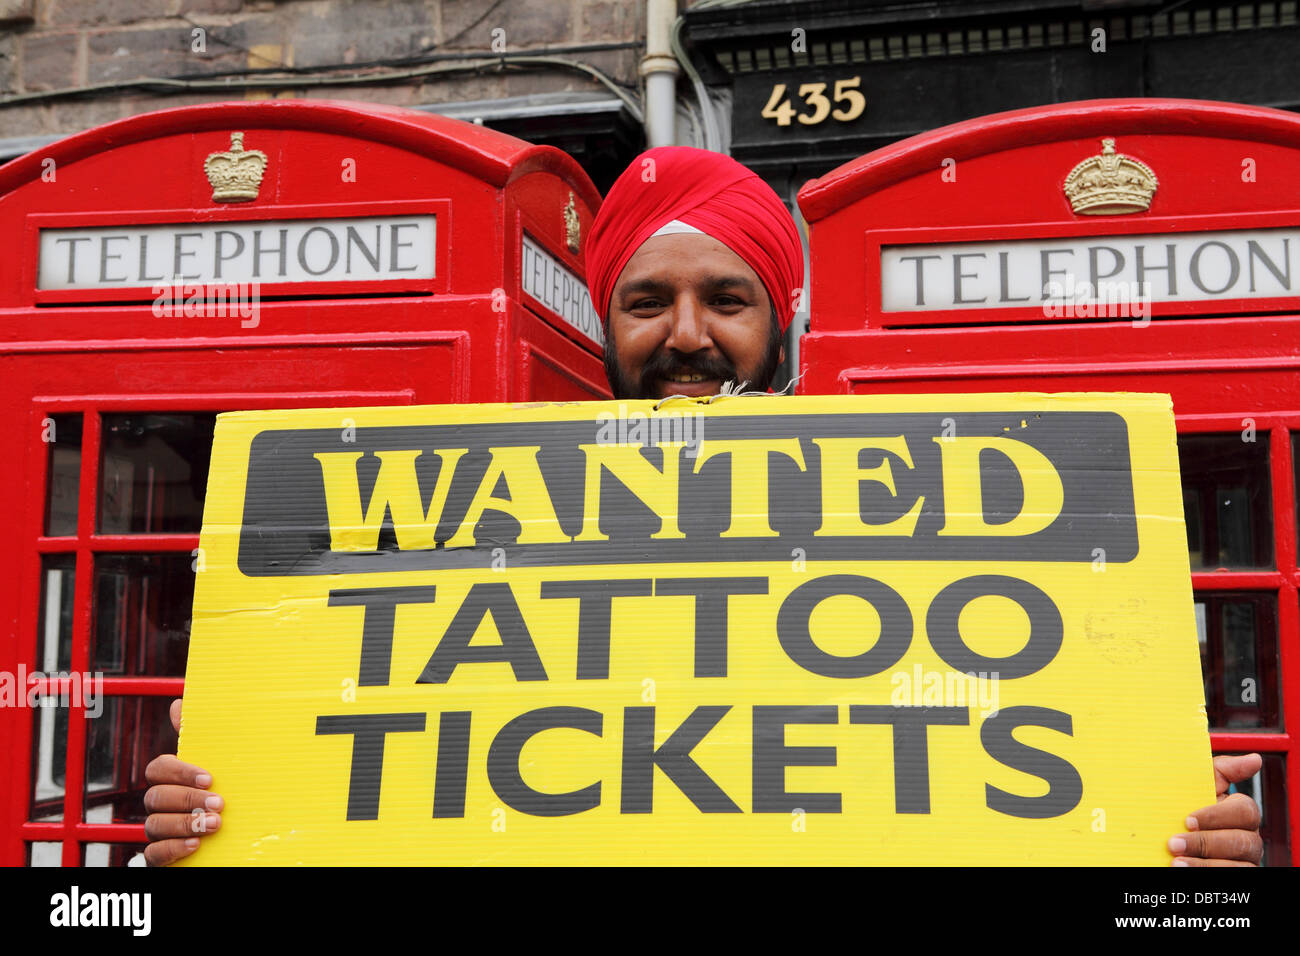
[(663, 363)]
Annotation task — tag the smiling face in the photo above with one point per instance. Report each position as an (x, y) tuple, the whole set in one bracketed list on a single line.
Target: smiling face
[(686, 315)]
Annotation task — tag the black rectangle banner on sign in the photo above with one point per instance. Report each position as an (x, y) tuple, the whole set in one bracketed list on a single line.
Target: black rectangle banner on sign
[(896, 464)]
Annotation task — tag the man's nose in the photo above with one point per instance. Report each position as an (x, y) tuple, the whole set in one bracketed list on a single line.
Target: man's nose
[(689, 331)]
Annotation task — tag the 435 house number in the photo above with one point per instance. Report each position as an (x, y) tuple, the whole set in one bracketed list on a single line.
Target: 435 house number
[(849, 103)]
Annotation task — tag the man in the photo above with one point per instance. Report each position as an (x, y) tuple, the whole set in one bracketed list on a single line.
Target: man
[(696, 264)]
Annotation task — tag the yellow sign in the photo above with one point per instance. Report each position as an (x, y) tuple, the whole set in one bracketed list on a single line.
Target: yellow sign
[(887, 630)]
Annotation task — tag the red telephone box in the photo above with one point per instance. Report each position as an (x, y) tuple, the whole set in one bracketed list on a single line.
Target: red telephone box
[(1109, 245), (228, 256)]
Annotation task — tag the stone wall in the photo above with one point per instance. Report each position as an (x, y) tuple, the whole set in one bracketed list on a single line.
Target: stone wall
[(108, 46)]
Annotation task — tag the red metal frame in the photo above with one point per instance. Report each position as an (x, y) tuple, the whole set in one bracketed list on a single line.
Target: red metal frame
[(73, 831), (1039, 125)]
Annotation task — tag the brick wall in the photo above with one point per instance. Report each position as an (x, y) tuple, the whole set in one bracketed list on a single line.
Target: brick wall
[(56, 45)]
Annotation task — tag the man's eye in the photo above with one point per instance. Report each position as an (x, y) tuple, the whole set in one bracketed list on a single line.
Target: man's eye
[(645, 305), (727, 301)]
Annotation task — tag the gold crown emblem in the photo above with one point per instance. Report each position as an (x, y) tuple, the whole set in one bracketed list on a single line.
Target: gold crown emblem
[(572, 226), (235, 175), (1110, 184)]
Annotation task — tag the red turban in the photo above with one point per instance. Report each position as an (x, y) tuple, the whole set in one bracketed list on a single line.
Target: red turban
[(709, 191)]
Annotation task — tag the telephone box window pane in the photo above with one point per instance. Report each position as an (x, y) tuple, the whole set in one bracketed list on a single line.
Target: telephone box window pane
[(1192, 518), (1238, 635), (1267, 788), (119, 745), (1233, 506), (102, 735), (110, 854), (44, 854), (63, 481), (1226, 500), (49, 761), (54, 626), (142, 614), (1239, 671), (1295, 471), (154, 472)]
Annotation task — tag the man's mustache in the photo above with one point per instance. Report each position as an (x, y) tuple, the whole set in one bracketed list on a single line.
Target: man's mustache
[(665, 364)]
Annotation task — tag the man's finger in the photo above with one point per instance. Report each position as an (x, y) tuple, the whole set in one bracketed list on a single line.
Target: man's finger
[(170, 769), (1242, 845), (1236, 811), (1229, 770), (169, 851), (1192, 861), (165, 798), (162, 826), (175, 713)]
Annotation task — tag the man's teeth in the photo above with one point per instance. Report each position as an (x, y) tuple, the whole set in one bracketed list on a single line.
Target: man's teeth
[(686, 378)]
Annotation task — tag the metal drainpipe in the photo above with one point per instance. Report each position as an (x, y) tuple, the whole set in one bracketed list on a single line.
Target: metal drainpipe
[(660, 69)]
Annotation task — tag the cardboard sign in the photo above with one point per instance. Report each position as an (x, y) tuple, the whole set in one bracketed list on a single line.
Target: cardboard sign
[(888, 630)]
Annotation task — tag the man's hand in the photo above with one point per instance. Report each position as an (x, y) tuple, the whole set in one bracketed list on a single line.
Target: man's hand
[(1226, 834), (180, 807)]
